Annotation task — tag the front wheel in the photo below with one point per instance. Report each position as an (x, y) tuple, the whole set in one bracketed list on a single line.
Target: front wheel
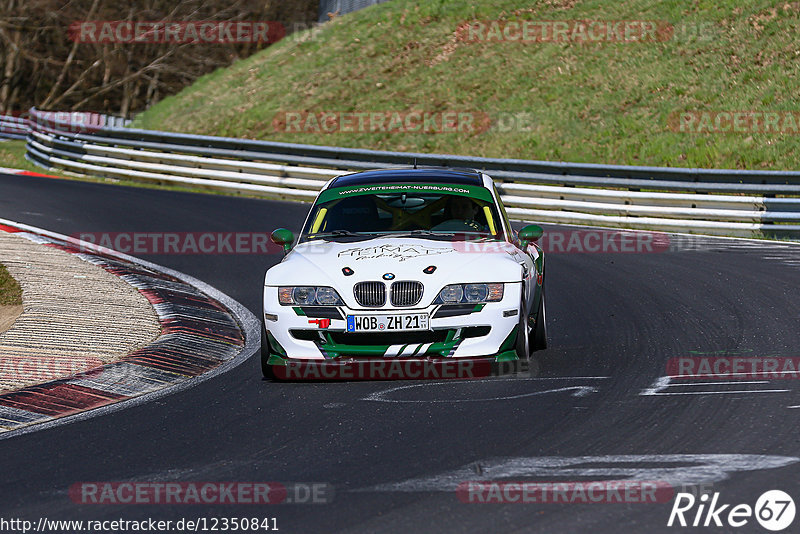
[(540, 330), (266, 368), (523, 346)]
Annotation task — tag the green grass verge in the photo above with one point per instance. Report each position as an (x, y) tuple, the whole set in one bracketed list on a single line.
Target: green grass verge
[(12, 155), (601, 103), (10, 292)]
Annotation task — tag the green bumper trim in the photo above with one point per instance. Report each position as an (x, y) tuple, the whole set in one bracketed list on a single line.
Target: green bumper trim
[(274, 359), (440, 349), (443, 349), (509, 342), (275, 346), (507, 356)]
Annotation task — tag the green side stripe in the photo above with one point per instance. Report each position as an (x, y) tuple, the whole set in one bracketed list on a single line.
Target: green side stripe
[(507, 356), (508, 343), (274, 359), (274, 345)]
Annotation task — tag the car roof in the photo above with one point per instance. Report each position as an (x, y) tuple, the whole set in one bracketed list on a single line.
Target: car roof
[(429, 175)]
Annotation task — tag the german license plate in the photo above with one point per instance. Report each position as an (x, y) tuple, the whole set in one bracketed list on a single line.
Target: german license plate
[(387, 323)]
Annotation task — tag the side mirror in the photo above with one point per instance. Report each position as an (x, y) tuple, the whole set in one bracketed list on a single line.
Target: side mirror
[(282, 237), (530, 233)]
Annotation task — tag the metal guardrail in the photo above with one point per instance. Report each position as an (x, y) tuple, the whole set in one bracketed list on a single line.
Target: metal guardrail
[(13, 127), (16, 127), (708, 201)]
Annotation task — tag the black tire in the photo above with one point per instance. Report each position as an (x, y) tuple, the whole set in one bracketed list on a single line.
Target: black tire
[(522, 345), (266, 368), (540, 329)]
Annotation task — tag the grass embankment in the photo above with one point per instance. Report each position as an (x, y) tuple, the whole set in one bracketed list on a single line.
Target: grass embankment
[(607, 102), (12, 155), (10, 292), (10, 299)]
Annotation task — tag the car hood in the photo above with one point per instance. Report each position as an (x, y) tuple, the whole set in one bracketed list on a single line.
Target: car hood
[(322, 263)]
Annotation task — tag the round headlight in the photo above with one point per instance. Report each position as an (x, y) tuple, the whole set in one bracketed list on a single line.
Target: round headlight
[(327, 296), (304, 295), (476, 292), (452, 293)]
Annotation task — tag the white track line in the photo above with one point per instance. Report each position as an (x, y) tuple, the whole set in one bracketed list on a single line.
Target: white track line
[(579, 391)]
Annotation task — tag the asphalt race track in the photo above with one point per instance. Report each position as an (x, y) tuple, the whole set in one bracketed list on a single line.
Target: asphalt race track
[(615, 320)]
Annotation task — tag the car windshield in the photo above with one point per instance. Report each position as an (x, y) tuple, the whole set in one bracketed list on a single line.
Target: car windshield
[(441, 215)]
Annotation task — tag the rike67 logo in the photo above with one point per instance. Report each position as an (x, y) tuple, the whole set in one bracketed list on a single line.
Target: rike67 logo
[(774, 510)]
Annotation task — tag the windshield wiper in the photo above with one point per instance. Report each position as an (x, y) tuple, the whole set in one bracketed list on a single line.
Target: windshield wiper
[(341, 233), (425, 233), (337, 233), (429, 232)]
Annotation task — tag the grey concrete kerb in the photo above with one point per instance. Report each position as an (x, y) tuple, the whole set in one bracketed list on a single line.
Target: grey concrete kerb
[(183, 331), (76, 316)]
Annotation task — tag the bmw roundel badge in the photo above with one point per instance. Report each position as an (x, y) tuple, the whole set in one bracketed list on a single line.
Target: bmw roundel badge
[(388, 276)]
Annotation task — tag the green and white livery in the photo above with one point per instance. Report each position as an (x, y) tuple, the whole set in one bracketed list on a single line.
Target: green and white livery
[(405, 264)]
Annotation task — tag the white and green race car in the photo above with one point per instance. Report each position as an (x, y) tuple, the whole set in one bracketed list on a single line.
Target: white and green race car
[(404, 264)]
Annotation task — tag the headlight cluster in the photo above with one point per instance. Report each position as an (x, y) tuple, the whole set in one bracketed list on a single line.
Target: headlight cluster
[(309, 296), (469, 293)]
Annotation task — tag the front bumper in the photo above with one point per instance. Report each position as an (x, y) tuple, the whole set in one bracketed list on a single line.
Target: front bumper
[(319, 334)]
